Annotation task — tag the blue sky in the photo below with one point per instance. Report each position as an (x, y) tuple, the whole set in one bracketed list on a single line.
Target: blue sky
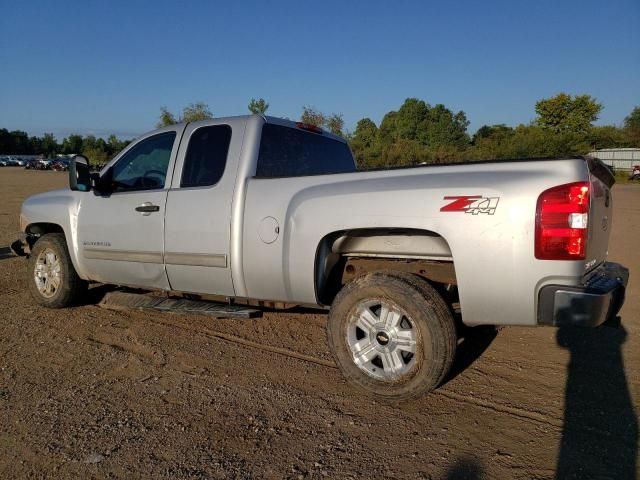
[(107, 66)]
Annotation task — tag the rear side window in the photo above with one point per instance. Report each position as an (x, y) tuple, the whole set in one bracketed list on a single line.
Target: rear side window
[(206, 156), (291, 152)]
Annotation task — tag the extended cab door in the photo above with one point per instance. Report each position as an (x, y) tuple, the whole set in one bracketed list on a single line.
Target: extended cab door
[(120, 231), (198, 216)]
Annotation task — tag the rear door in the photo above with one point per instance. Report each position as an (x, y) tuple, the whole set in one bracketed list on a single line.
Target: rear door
[(198, 214)]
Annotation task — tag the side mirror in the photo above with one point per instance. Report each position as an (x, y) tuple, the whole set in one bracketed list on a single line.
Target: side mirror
[(102, 184), (79, 174)]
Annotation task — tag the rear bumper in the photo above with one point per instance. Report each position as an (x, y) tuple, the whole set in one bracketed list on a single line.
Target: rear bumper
[(597, 301)]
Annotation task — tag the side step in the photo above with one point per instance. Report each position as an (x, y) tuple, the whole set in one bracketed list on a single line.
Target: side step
[(124, 301)]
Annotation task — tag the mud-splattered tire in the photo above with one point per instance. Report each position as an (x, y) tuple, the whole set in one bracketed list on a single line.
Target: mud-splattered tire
[(53, 281), (392, 335)]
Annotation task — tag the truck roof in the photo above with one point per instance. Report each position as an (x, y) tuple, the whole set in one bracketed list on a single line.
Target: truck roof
[(268, 119)]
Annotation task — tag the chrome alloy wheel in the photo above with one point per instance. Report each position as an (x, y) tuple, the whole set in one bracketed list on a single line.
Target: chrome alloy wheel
[(47, 273), (383, 339)]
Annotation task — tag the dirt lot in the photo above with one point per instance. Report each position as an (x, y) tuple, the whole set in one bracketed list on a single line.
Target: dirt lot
[(91, 393)]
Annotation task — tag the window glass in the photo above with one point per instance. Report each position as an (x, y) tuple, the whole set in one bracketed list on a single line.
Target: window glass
[(288, 152), (206, 156), (144, 167)]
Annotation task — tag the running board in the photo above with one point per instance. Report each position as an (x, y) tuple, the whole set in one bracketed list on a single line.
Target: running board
[(124, 301)]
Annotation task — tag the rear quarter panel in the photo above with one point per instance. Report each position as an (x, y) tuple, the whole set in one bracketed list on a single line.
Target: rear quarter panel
[(498, 275)]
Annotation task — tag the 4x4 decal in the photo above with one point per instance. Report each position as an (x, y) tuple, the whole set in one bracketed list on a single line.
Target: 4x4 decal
[(473, 204)]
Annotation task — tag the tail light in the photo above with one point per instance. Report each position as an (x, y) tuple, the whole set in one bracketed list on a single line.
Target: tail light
[(562, 216)]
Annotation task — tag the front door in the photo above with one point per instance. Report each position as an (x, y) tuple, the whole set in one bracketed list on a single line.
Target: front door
[(121, 233)]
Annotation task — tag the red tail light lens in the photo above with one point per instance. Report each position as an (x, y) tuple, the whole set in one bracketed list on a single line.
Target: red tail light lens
[(562, 217)]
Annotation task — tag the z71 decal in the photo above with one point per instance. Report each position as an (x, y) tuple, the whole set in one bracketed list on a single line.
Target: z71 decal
[(473, 204)]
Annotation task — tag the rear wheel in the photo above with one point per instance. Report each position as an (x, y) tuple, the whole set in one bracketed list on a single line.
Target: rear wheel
[(392, 335), (53, 281)]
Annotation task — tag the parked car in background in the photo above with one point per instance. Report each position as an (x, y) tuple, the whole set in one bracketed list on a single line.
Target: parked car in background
[(44, 164), (60, 165)]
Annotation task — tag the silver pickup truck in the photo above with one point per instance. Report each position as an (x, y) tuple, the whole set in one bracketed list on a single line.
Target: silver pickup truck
[(257, 208)]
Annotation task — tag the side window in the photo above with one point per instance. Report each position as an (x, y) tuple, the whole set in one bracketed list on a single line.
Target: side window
[(206, 156), (144, 167)]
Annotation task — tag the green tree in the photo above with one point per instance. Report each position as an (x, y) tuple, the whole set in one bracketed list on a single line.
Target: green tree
[(632, 127), (72, 144), (49, 146), (430, 126), (412, 120), (89, 142), (366, 133), (166, 118), (443, 127), (335, 124), (193, 112), (492, 131), (633, 119), (96, 156), (312, 116), (258, 106), (387, 133), (115, 146), (606, 136), (20, 142), (564, 113)]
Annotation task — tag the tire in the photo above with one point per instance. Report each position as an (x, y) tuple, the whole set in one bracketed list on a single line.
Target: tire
[(49, 261), (399, 359)]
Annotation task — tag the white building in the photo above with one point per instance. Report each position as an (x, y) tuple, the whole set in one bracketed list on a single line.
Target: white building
[(618, 158)]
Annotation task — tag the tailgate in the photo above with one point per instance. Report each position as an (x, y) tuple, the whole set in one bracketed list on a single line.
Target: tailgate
[(600, 213)]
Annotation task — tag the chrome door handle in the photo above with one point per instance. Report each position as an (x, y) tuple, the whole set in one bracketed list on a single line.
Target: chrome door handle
[(147, 207)]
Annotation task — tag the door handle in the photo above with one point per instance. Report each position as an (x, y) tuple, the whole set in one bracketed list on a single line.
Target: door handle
[(147, 207)]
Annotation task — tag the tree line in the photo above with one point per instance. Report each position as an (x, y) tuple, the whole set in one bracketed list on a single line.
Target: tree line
[(97, 149), (422, 133), (415, 133)]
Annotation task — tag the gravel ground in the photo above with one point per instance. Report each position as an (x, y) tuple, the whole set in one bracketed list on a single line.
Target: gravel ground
[(93, 393)]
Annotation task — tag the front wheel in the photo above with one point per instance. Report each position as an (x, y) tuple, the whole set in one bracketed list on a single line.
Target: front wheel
[(53, 281), (392, 335)]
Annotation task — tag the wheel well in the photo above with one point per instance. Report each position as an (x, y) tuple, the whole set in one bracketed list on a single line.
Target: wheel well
[(345, 255), (36, 230)]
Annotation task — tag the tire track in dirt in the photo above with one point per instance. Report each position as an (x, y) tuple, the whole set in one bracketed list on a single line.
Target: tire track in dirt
[(247, 343), (449, 394)]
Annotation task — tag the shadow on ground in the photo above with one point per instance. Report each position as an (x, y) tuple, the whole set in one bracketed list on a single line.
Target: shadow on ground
[(600, 430), (465, 469), (474, 342)]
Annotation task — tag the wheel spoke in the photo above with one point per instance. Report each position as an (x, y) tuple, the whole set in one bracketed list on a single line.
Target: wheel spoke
[(47, 285), (366, 320), (389, 316), (405, 340), (392, 361), (364, 351)]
